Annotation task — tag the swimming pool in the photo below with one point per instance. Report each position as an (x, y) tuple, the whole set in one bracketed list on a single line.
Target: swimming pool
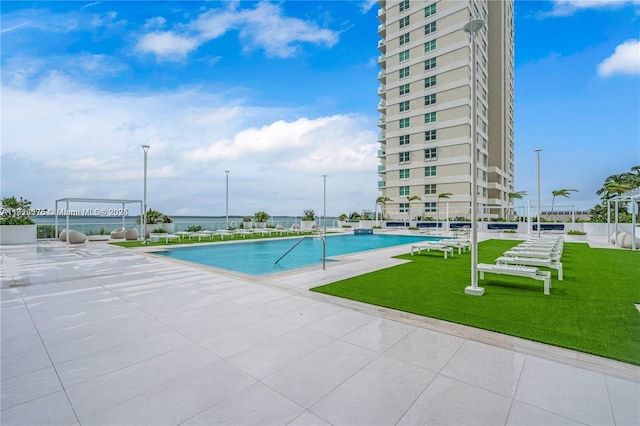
[(258, 257)]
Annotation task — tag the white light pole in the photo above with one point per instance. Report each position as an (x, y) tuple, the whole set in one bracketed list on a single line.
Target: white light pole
[(227, 199), (537, 150), (145, 148), (472, 27), (324, 177)]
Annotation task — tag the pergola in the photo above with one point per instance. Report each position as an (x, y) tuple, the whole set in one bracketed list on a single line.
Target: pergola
[(633, 198), (92, 212)]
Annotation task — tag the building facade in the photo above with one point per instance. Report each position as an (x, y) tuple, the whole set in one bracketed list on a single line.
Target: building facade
[(425, 108)]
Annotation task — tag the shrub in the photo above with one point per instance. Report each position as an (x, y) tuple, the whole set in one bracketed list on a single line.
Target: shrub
[(16, 211), (159, 231), (309, 215), (261, 216), (194, 228), (575, 232)]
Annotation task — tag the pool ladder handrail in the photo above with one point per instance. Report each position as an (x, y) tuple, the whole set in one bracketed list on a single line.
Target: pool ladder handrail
[(324, 250)]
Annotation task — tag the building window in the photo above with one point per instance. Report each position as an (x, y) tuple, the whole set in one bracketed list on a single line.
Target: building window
[(430, 28), (404, 38), (430, 135), (404, 174), (405, 157), (430, 10), (430, 207), (404, 106), (404, 89), (404, 207), (404, 123), (429, 46), (404, 191), (404, 22), (429, 82), (404, 56), (430, 118), (404, 72), (430, 154), (429, 64), (430, 171), (430, 189), (430, 99), (404, 5), (404, 140)]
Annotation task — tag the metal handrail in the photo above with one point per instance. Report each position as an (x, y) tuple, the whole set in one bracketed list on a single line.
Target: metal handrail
[(324, 250)]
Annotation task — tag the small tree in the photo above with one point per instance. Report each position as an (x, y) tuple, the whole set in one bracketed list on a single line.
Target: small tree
[(261, 216), (382, 201), (16, 211), (409, 200), (560, 193), (309, 215), (443, 195), (516, 195)]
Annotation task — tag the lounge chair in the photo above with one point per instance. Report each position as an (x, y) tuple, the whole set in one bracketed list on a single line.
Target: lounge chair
[(132, 235), (519, 271), (76, 237), (118, 234), (428, 246), (222, 233)]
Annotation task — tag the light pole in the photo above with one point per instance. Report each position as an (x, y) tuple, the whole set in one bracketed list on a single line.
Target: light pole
[(227, 199), (472, 27), (537, 150), (324, 178), (145, 148)]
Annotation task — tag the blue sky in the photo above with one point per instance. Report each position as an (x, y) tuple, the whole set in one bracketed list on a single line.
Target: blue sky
[(281, 94)]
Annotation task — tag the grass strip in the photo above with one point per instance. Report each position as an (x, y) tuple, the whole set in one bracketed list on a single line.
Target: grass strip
[(592, 310)]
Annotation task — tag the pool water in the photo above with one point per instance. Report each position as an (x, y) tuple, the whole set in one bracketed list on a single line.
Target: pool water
[(259, 257)]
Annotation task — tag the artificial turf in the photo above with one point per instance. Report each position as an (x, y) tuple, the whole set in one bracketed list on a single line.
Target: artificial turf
[(592, 310)]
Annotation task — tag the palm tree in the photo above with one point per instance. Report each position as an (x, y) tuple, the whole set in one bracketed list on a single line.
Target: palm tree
[(443, 195), (560, 193), (383, 201), (516, 195), (410, 199)]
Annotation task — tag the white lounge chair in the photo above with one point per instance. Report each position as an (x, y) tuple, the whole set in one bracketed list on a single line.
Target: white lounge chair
[(428, 246), (519, 271)]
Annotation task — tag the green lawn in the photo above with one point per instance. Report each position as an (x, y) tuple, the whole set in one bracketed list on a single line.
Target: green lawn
[(216, 239), (591, 311)]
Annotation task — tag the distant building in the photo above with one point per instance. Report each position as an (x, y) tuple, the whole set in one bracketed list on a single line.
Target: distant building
[(425, 106)]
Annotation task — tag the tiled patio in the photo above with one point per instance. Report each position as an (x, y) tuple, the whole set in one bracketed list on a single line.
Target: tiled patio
[(99, 335)]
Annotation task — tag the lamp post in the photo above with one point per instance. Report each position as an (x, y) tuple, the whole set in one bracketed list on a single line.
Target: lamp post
[(472, 27), (324, 178), (227, 199), (537, 150), (145, 148)]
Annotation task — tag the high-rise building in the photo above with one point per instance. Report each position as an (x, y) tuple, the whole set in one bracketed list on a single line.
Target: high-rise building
[(425, 107)]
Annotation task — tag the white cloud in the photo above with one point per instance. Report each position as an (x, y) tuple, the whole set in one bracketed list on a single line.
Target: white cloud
[(263, 27), (569, 7), (88, 144), (367, 5), (166, 45), (624, 60)]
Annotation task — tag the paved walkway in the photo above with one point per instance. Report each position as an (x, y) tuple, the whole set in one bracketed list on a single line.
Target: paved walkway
[(99, 335)]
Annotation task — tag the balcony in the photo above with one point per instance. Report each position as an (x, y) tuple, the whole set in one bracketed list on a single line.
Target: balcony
[(382, 59), (382, 91), (381, 136), (382, 122), (381, 168), (381, 105), (381, 153), (382, 46), (382, 77), (382, 184), (381, 12), (382, 30)]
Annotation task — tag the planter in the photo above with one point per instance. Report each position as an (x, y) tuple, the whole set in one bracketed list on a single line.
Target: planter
[(570, 238), (18, 234), (261, 225), (169, 227), (307, 224), (509, 235)]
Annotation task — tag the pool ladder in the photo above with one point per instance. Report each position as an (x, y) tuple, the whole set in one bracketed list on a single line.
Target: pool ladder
[(324, 250)]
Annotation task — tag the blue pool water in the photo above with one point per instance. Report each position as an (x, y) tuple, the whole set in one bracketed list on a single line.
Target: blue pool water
[(258, 257)]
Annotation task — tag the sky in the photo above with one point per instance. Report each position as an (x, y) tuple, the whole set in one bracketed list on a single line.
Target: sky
[(281, 94)]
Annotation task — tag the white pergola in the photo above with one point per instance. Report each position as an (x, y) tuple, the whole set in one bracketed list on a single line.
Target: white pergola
[(95, 201), (633, 198)]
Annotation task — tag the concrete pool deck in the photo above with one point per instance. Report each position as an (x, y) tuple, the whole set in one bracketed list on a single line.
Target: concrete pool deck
[(100, 335)]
